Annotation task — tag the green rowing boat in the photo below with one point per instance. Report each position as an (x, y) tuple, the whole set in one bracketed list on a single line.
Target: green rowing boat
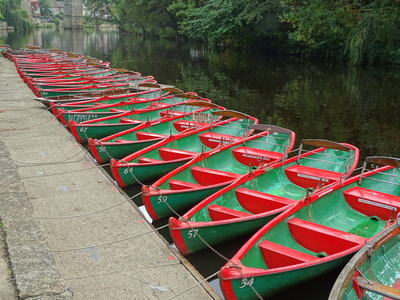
[(320, 233), (256, 198), (208, 173)]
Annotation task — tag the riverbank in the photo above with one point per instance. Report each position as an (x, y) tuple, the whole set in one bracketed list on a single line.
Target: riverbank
[(70, 232)]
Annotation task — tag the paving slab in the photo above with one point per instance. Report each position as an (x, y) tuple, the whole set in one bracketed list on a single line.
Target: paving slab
[(69, 231)]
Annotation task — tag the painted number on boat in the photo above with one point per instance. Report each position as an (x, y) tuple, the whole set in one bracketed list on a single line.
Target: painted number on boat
[(127, 170), (247, 282), (162, 199), (192, 233), (83, 129), (102, 149)]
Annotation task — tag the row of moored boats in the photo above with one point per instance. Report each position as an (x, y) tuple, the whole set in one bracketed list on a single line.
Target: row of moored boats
[(219, 175)]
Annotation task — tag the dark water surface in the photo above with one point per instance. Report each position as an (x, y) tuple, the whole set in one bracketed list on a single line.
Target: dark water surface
[(316, 99)]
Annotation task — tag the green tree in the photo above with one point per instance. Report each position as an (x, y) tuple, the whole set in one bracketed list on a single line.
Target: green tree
[(149, 17), (1, 9), (237, 22), (15, 16), (98, 7), (375, 37), (45, 9), (355, 30), (318, 26)]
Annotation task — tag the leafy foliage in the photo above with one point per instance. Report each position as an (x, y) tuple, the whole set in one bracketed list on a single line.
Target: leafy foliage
[(15, 16), (1, 9), (357, 31), (232, 21)]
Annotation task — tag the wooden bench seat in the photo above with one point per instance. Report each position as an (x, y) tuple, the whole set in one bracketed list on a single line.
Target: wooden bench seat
[(311, 177), (145, 160), (117, 110), (123, 141), (131, 121), (254, 157), (276, 256), (172, 154), (212, 139), (142, 136), (182, 185), (320, 238), (257, 202), (171, 113), (186, 125), (205, 176), (219, 213), (373, 203)]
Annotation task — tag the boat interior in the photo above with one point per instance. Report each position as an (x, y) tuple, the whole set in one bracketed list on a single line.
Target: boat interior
[(339, 221)]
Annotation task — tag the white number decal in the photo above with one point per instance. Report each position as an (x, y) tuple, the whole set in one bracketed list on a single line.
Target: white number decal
[(161, 199), (192, 233), (247, 282)]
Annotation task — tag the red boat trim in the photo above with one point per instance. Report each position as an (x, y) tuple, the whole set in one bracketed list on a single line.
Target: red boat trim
[(176, 234), (147, 202), (73, 127), (93, 144), (115, 167)]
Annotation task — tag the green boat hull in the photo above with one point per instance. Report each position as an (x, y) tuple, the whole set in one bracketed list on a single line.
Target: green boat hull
[(104, 153), (83, 133), (98, 112), (178, 202), (373, 272), (184, 189), (316, 235), (145, 173), (248, 288), (107, 100), (201, 237), (55, 93)]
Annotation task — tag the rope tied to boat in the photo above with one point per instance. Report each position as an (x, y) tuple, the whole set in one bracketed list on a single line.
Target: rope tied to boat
[(130, 171), (245, 281), (230, 263)]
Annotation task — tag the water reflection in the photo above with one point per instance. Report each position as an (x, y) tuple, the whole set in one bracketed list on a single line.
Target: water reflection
[(315, 99)]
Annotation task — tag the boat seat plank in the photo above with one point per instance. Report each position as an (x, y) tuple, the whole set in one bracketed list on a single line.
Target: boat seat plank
[(213, 139), (131, 121), (205, 176), (183, 125), (307, 177), (320, 238), (220, 213), (141, 135), (373, 203), (276, 256), (258, 202), (123, 141), (172, 154), (254, 157), (117, 110), (182, 185), (171, 113), (387, 292), (146, 160)]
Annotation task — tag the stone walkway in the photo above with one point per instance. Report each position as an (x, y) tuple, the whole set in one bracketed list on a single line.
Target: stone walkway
[(70, 232)]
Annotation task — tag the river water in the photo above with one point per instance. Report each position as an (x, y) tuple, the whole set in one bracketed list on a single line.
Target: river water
[(316, 99)]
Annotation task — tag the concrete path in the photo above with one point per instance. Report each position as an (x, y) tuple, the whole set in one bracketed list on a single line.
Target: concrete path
[(69, 232)]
